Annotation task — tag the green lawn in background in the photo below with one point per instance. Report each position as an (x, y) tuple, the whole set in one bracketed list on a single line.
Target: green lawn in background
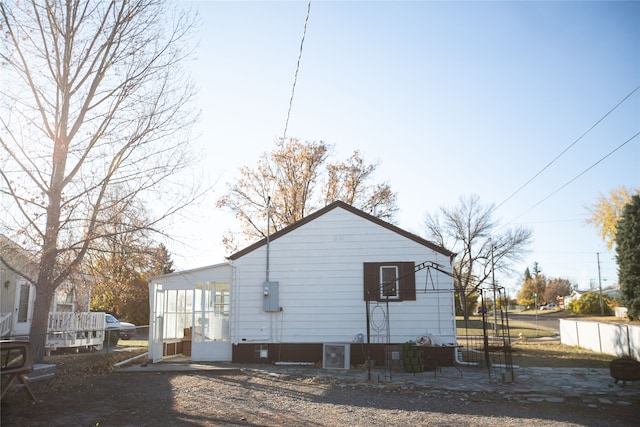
[(533, 353), (474, 327), (552, 354)]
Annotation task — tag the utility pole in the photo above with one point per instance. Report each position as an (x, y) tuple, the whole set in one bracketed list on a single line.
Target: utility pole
[(600, 286)]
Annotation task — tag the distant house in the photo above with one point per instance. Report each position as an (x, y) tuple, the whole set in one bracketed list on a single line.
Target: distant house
[(338, 286), (17, 295), (574, 296), (68, 318), (612, 291)]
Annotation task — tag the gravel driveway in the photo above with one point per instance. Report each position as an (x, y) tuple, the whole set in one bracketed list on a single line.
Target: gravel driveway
[(274, 397)]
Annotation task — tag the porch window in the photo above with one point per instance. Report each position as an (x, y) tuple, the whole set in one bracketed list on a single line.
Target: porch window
[(212, 312), (389, 281), (177, 312)]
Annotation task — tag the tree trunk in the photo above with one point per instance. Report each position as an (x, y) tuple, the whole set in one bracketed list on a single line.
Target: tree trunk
[(39, 323), (463, 305), (46, 284)]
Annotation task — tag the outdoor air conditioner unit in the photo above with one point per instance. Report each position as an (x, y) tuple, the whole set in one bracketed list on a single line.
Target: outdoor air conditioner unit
[(336, 356)]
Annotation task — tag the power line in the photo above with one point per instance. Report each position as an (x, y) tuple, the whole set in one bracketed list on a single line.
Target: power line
[(295, 77), (569, 147), (577, 176)]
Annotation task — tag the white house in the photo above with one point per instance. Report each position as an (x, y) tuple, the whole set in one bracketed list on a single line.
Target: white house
[(339, 277), (17, 295), (70, 323)]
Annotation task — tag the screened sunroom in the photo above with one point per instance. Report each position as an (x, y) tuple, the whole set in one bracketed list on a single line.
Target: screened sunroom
[(192, 307)]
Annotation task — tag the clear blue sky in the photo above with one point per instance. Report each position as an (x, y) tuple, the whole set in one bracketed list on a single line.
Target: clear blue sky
[(452, 98)]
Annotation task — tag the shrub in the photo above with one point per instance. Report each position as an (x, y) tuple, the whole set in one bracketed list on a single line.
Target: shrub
[(589, 304)]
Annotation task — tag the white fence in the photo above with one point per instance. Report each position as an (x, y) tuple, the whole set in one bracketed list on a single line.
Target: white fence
[(71, 329), (608, 338)]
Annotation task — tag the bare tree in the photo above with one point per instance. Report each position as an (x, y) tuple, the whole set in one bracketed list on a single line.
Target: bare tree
[(470, 230), (121, 261), (294, 180), (556, 289), (95, 98), (348, 181)]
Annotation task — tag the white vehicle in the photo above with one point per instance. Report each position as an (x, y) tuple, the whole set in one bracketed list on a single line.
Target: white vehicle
[(125, 330)]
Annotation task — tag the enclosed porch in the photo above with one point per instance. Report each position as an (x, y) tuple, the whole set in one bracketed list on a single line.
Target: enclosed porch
[(190, 314)]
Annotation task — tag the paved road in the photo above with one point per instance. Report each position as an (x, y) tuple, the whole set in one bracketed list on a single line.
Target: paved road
[(544, 320)]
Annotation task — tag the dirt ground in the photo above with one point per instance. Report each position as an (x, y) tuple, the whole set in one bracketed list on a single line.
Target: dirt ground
[(87, 392)]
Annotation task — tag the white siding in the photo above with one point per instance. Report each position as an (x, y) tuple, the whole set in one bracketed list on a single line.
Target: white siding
[(319, 267)]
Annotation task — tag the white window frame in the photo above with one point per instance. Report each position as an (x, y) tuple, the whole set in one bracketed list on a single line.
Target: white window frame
[(383, 294)]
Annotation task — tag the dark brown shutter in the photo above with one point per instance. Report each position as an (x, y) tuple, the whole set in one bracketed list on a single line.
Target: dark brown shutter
[(371, 278), (407, 285)]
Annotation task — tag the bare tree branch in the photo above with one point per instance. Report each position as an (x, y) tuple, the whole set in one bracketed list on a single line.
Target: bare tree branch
[(96, 100), (470, 230), (294, 180)]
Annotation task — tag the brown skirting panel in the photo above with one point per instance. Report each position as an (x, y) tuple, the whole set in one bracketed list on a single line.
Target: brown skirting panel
[(312, 353), (172, 348)]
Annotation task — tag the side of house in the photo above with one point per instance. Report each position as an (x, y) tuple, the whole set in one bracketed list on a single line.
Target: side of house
[(17, 294), (339, 279), (326, 274)]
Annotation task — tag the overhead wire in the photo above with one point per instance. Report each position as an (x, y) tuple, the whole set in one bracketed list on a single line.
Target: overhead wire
[(295, 77), (568, 148), (576, 177)]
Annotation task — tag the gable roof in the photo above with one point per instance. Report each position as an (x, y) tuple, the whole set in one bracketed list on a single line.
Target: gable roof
[(11, 252), (345, 206)]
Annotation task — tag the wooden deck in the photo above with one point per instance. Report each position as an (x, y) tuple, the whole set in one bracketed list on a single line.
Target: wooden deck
[(75, 330)]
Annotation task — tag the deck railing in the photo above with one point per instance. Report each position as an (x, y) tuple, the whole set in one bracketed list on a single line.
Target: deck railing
[(72, 329), (5, 324)]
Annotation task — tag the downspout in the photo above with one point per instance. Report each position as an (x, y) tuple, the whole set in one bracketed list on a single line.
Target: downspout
[(459, 360), (236, 304)]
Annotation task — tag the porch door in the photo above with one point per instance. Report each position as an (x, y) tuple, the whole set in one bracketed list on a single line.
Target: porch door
[(25, 298), (211, 323), (157, 328)]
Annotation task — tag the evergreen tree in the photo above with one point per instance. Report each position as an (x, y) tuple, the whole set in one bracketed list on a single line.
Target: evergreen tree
[(163, 261), (628, 257)]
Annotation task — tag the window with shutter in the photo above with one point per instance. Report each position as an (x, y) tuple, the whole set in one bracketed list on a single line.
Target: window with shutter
[(389, 281)]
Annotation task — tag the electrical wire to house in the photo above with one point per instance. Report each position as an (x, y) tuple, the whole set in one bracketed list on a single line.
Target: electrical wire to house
[(576, 177), (295, 77), (567, 149)]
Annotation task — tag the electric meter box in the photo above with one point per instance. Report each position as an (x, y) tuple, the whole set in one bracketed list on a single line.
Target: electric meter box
[(271, 296)]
